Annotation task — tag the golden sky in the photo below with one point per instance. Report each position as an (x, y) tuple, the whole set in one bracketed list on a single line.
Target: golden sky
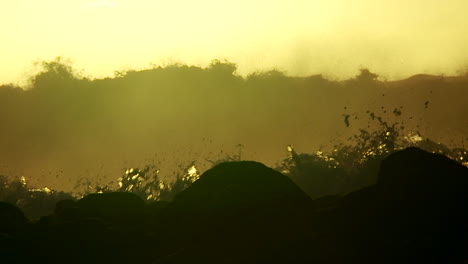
[(395, 38)]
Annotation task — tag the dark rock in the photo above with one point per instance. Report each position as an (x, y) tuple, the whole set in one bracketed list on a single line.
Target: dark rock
[(416, 213), (414, 174), (12, 219), (245, 212), (66, 209), (112, 207), (423, 201), (239, 212), (236, 187)]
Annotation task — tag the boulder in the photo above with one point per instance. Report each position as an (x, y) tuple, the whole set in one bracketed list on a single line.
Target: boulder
[(12, 219), (233, 188), (112, 207), (238, 212), (420, 176)]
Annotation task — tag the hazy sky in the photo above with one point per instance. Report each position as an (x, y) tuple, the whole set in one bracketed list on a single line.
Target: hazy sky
[(395, 38)]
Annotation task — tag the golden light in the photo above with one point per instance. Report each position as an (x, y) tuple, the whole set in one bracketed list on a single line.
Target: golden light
[(394, 38)]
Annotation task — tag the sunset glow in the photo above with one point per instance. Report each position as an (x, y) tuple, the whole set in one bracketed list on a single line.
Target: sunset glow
[(336, 37)]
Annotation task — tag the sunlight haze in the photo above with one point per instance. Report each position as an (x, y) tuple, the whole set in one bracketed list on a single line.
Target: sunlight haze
[(335, 37)]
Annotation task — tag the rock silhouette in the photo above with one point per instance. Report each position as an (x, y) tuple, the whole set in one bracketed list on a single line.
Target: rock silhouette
[(414, 214), (242, 212), (245, 212), (235, 187), (12, 219), (423, 202), (414, 174), (112, 207)]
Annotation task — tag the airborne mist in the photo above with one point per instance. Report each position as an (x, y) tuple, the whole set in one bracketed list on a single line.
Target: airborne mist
[(65, 127)]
